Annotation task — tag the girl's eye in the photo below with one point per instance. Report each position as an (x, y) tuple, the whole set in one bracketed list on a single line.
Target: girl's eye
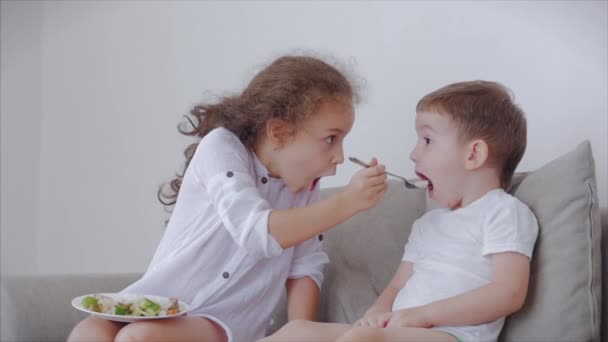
[(427, 141), (330, 140)]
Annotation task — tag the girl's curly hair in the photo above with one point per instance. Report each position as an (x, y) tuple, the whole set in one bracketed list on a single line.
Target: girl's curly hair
[(290, 89)]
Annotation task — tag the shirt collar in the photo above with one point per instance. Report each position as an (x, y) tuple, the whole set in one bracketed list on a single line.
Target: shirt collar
[(261, 170)]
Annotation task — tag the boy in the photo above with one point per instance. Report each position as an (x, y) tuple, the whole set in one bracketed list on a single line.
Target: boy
[(466, 265)]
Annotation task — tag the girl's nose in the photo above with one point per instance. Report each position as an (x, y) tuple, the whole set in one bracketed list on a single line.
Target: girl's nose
[(413, 155), (339, 156)]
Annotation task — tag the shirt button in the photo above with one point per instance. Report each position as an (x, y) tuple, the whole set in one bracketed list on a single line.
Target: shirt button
[(264, 180), (225, 275), (320, 237), (229, 174)]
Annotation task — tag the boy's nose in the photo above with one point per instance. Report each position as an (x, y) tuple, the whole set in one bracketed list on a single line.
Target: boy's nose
[(413, 155)]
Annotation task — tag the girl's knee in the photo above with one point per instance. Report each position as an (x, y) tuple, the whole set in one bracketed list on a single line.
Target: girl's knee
[(135, 332), (94, 329), (173, 329), (360, 334), (290, 331), (298, 326)]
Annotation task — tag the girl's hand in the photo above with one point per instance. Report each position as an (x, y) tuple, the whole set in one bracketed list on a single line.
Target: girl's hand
[(374, 319), (367, 187), (412, 317)]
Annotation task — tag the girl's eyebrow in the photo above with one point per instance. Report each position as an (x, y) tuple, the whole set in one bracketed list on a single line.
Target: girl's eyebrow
[(337, 130)]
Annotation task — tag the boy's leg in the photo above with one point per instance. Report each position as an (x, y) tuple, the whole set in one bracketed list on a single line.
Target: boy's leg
[(184, 328), (302, 330), (95, 329), (365, 334)]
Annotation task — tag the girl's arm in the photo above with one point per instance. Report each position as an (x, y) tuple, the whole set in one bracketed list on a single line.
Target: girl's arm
[(292, 226), (502, 297), (302, 299)]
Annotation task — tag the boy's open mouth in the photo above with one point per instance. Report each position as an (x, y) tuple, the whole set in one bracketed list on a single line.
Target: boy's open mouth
[(314, 183), (423, 177)]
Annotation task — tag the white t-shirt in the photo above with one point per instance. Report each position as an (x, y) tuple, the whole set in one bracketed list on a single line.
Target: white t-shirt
[(451, 249), (216, 252)]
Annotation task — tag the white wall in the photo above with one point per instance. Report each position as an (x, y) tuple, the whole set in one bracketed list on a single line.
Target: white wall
[(20, 106), (111, 81)]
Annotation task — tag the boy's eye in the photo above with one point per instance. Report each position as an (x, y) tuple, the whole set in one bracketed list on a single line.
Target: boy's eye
[(330, 139), (427, 141)]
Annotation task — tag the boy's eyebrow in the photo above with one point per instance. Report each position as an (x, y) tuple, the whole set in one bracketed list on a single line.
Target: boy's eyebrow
[(426, 126)]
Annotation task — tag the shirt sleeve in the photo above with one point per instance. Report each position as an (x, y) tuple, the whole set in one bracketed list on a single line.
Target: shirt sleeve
[(411, 251), (510, 228), (309, 258), (223, 166)]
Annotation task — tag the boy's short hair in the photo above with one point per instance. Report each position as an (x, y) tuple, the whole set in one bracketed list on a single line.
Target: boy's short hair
[(484, 110)]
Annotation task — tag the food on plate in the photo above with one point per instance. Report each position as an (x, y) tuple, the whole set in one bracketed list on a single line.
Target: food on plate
[(139, 306)]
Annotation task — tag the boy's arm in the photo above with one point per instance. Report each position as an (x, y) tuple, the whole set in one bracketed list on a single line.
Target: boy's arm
[(502, 297), (384, 303), (302, 298)]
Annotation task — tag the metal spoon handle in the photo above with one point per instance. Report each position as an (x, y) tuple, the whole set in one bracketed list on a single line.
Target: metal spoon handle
[(407, 183)]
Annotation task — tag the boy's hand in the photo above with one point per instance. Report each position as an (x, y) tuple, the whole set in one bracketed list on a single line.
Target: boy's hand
[(374, 320), (412, 317), (367, 187)]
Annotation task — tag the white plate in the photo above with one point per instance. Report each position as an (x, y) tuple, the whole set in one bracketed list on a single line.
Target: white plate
[(77, 303)]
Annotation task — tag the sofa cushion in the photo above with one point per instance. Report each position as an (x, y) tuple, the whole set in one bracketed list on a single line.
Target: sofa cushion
[(365, 252), (564, 297)]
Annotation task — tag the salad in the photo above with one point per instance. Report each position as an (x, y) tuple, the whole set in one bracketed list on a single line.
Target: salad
[(139, 306)]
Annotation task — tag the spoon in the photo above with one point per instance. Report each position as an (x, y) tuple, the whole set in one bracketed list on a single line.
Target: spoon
[(421, 184)]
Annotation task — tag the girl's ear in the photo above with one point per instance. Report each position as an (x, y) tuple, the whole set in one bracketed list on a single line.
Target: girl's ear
[(276, 132), (476, 154)]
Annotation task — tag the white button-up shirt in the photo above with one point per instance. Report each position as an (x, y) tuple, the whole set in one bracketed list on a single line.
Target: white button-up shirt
[(217, 253)]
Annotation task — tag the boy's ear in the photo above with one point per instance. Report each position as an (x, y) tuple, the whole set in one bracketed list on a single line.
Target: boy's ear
[(477, 154), (277, 132)]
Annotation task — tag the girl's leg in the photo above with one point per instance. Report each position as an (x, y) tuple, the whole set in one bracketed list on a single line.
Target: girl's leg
[(302, 330), (365, 334), (185, 328), (95, 329)]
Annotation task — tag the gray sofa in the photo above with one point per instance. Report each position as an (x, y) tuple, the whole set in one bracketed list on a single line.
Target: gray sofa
[(564, 301)]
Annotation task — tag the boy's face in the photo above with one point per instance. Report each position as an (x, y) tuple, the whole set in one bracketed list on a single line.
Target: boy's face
[(315, 149), (440, 157)]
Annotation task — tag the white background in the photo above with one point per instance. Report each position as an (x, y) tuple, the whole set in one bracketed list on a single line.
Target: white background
[(91, 93)]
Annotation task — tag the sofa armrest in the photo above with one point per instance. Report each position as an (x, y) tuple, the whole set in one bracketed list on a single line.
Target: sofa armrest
[(37, 307)]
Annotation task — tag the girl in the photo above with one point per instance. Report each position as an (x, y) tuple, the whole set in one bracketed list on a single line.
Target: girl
[(248, 219)]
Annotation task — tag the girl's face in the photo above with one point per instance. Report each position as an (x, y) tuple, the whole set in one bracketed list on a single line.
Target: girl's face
[(315, 150), (440, 157)]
